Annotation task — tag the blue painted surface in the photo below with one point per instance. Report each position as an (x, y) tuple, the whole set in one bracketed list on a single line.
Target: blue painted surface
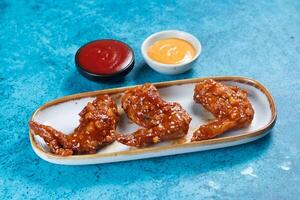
[(257, 39)]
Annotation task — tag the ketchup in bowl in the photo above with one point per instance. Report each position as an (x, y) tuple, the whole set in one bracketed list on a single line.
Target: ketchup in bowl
[(102, 60)]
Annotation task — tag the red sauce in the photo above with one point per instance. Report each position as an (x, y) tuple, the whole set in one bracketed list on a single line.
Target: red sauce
[(104, 56)]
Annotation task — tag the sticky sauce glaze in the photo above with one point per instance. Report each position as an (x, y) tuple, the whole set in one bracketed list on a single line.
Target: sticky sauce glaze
[(172, 51)]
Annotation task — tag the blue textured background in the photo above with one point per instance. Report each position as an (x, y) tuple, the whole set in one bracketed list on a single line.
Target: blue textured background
[(257, 39)]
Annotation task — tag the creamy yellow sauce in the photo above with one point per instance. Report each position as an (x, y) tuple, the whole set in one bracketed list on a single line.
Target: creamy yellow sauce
[(171, 51)]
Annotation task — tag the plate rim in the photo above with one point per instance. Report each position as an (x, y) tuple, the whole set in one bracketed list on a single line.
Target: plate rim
[(154, 149)]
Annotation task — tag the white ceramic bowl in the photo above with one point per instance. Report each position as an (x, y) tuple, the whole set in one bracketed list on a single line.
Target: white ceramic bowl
[(170, 68)]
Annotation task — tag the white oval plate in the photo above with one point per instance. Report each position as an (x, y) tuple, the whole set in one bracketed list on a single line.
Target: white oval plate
[(62, 114)]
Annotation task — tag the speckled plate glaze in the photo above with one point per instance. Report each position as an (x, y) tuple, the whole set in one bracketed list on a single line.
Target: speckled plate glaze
[(62, 114)]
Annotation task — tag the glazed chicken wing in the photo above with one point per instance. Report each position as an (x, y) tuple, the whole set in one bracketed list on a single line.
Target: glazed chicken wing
[(230, 106), (97, 128), (160, 120)]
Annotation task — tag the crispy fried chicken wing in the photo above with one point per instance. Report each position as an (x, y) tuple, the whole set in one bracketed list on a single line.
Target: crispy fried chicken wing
[(160, 120), (230, 106), (97, 128)]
